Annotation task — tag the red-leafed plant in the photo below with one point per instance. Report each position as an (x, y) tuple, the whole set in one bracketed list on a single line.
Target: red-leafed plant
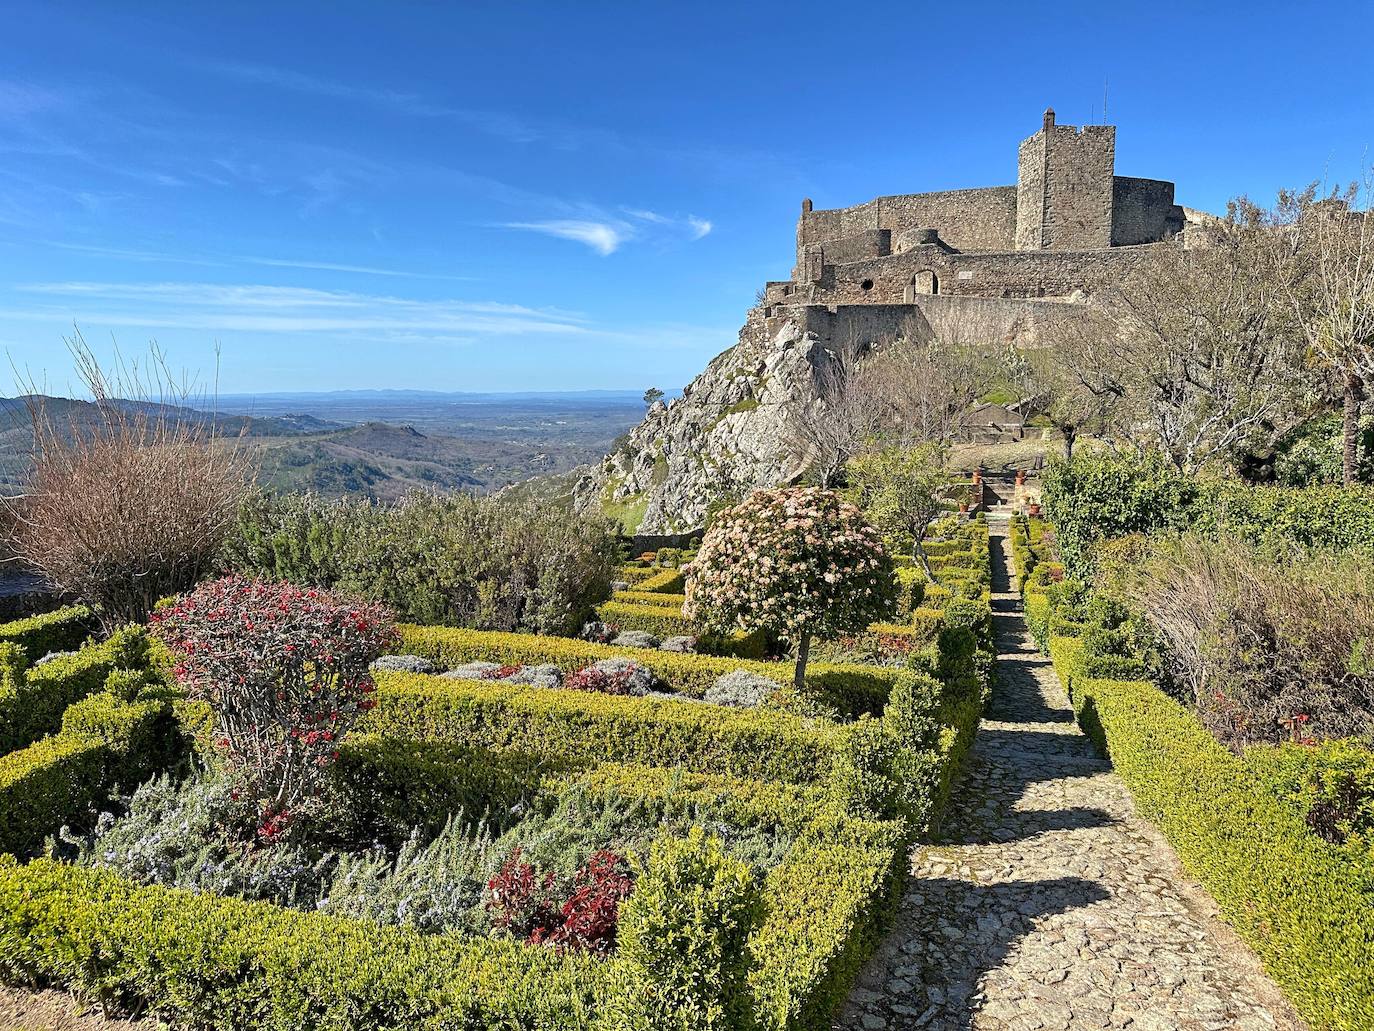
[(521, 901), (285, 670), (528, 904), (593, 679)]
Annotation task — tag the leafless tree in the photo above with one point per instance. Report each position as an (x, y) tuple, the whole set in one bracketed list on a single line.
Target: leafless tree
[(1194, 352), (1331, 238), (131, 494), (829, 427), (909, 387)]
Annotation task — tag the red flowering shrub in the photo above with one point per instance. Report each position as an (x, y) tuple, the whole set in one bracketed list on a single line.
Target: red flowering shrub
[(285, 670), (528, 905), (593, 679), (501, 672)]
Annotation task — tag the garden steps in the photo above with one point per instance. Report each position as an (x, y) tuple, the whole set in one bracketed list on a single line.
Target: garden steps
[(1046, 901)]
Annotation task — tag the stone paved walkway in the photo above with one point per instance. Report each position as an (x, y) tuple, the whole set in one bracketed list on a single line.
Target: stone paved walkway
[(1046, 902)]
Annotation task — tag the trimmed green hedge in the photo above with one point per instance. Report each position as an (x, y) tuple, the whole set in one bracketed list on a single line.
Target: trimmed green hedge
[(854, 689), (706, 738), (827, 905), (32, 701), (223, 963), (57, 779), (656, 619), (667, 601), (57, 631), (1304, 907), (664, 581)]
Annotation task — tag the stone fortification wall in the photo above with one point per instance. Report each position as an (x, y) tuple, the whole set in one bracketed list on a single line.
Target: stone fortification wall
[(1065, 185), (904, 278), (1143, 211), (973, 220), (993, 320)]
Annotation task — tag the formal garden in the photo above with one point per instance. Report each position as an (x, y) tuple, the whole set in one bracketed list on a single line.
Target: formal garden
[(461, 762)]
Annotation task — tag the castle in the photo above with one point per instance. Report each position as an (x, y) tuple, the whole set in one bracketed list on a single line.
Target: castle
[(984, 266), (988, 253)]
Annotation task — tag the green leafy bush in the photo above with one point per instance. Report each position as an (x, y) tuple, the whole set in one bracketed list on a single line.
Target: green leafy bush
[(1105, 496), (683, 961), (454, 559)]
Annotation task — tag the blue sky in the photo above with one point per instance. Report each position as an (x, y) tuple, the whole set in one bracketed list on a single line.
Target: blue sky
[(517, 196)]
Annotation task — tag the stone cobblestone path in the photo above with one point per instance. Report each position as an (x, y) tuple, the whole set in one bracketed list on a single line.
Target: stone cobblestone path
[(1046, 902)]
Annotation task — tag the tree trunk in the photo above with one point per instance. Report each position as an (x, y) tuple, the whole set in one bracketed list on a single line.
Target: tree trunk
[(1069, 436), (1350, 428), (803, 653), (924, 561)]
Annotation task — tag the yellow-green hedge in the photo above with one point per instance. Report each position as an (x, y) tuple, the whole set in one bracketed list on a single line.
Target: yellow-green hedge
[(1303, 905), (852, 688), (706, 738), (827, 904), (223, 963), (32, 701), (55, 780), (654, 619), (61, 630), (666, 601), (664, 581)]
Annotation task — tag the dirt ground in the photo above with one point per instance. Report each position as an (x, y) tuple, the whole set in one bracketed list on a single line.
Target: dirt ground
[(22, 1010)]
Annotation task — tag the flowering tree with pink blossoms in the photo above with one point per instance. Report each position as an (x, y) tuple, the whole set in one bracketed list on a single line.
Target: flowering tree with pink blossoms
[(797, 563)]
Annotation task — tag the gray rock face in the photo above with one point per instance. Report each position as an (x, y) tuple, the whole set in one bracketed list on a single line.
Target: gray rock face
[(545, 675), (405, 664), (51, 657), (741, 688), (472, 670), (680, 643), (635, 639), (642, 680), (727, 434)]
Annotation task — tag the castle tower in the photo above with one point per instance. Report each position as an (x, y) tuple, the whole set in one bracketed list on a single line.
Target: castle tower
[(1065, 175)]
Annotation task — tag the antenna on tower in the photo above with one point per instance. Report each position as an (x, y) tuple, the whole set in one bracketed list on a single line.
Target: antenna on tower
[(1104, 100)]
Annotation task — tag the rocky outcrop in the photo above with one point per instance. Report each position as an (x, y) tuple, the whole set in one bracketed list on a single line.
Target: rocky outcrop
[(727, 434)]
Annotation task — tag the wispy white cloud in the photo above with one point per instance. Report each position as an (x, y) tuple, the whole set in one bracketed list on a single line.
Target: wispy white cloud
[(22, 99), (700, 226), (276, 309), (131, 254), (606, 234), (602, 237), (493, 123)]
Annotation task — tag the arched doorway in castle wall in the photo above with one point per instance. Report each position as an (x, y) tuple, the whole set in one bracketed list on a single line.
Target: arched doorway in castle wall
[(923, 282)]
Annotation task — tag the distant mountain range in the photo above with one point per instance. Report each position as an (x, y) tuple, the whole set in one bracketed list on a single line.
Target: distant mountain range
[(381, 443)]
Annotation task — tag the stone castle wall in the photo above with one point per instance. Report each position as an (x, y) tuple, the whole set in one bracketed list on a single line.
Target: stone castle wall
[(1065, 184), (991, 320), (1143, 211), (930, 269), (969, 220)]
